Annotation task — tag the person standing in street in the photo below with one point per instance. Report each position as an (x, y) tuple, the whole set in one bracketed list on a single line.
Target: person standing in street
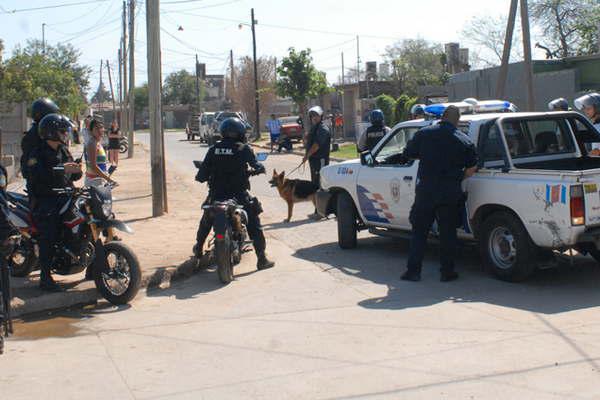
[(41, 164), (446, 157), (274, 127), (85, 132), (373, 135), (96, 173), (114, 137), (589, 105), (31, 140), (318, 147)]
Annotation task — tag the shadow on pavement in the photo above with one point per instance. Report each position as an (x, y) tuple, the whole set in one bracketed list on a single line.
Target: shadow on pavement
[(280, 225), (381, 261)]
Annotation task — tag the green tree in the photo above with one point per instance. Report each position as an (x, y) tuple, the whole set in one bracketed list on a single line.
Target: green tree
[(403, 106), (180, 88), (386, 103), (141, 98), (416, 62), (299, 79), (57, 74), (569, 27)]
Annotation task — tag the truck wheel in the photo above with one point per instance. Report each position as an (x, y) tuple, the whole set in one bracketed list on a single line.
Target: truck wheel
[(346, 221), (506, 248)]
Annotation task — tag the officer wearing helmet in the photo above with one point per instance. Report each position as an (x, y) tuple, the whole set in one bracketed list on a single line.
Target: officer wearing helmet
[(589, 104), (43, 178), (39, 109), (225, 168), (377, 131), (417, 111), (318, 146), (560, 104)]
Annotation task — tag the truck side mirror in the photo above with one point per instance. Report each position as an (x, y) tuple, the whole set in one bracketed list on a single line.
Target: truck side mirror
[(366, 158)]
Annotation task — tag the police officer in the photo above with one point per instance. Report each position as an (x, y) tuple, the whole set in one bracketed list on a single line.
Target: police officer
[(225, 170), (560, 104), (589, 104), (446, 157), (39, 109), (318, 146), (377, 131), (417, 111), (43, 178)]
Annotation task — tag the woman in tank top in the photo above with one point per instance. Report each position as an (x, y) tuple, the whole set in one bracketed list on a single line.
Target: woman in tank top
[(96, 161)]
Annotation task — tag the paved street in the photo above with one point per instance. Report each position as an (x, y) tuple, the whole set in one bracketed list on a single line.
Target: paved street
[(323, 324)]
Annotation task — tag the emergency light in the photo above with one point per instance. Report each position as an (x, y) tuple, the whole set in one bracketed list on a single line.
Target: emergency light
[(487, 106), (437, 110), (471, 106)]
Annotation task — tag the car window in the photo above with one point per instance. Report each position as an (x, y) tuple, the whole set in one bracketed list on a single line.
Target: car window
[(492, 148), (528, 138), (396, 143)]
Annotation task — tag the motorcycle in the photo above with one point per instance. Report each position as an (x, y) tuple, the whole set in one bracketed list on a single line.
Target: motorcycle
[(123, 145), (230, 235), (86, 212)]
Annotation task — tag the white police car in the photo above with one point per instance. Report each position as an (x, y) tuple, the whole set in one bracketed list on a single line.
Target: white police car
[(536, 190)]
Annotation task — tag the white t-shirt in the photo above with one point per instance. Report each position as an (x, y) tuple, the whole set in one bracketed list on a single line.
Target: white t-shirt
[(86, 136)]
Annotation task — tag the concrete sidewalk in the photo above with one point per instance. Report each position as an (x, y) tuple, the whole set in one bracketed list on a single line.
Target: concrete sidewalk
[(163, 245)]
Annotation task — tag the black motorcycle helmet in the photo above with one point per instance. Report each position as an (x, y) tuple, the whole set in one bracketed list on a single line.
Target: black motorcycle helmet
[(42, 107), (233, 128), (54, 127)]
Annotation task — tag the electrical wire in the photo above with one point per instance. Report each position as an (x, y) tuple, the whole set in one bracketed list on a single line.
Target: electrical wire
[(52, 6)]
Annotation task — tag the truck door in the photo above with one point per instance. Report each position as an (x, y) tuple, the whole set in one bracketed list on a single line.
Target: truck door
[(386, 190)]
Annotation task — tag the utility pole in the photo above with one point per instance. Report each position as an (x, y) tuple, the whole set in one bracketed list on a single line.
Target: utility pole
[(510, 27), (197, 85), (44, 38), (358, 61), (124, 117), (343, 104), (232, 84), (100, 84), (527, 55), (157, 160), (131, 99), (120, 57), (112, 92), (256, 100)]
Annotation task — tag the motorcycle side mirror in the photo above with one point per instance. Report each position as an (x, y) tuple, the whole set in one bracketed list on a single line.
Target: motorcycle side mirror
[(261, 156), (366, 158), (197, 164)]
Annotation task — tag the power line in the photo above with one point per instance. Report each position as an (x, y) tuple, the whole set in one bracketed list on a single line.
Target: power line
[(52, 6), (203, 7), (191, 47)]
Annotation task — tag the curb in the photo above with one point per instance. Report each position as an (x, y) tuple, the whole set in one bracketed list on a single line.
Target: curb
[(161, 278), (298, 153)]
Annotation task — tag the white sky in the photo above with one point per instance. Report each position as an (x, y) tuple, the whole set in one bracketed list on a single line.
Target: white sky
[(211, 28)]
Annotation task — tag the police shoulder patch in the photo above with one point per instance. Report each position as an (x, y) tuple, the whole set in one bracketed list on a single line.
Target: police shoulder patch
[(32, 161)]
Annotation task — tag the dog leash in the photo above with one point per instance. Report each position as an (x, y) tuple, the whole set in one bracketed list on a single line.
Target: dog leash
[(303, 163)]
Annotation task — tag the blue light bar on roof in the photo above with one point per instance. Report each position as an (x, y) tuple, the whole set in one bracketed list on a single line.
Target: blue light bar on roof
[(492, 106), (437, 110)]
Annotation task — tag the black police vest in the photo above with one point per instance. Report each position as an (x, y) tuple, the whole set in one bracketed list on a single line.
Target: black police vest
[(229, 176), (374, 135)]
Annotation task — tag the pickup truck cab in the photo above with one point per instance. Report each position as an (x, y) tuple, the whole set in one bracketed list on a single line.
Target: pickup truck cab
[(536, 190)]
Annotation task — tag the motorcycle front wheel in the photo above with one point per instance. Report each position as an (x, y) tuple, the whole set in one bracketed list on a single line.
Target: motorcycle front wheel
[(223, 258), (121, 282)]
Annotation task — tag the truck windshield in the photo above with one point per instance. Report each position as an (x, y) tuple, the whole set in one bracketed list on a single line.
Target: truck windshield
[(538, 137)]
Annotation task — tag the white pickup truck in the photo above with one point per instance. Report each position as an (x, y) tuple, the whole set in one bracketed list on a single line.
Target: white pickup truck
[(536, 190)]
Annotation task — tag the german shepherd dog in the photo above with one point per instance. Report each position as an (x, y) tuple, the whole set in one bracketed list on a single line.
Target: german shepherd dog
[(293, 191)]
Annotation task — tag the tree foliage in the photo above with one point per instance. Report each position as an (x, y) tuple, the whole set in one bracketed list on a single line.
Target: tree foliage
[(243, 95), (569, 27), (101, 95), (30, 73), (416, 62), (386, 103), (403, 106), (485, 34), (180, 88), (141, 98), (299, 79)]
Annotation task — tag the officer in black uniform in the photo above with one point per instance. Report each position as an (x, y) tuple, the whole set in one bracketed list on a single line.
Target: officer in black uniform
[(225, 168), (318, 147), (43, 178), (377, 131), (39, 109), (446, 157)]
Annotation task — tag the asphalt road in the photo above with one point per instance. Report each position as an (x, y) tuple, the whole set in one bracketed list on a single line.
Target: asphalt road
[(325, 324)]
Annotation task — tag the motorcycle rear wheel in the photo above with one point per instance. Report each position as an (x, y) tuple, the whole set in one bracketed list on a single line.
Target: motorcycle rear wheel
[(223, 258), (123, 148), (121, 283)]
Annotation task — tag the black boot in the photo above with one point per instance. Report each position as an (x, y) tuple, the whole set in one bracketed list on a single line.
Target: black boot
[(411, 276), (448, 276), (263, 262)]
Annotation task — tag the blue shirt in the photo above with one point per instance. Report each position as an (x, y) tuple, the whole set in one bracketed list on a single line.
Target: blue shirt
[(274, 126)]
